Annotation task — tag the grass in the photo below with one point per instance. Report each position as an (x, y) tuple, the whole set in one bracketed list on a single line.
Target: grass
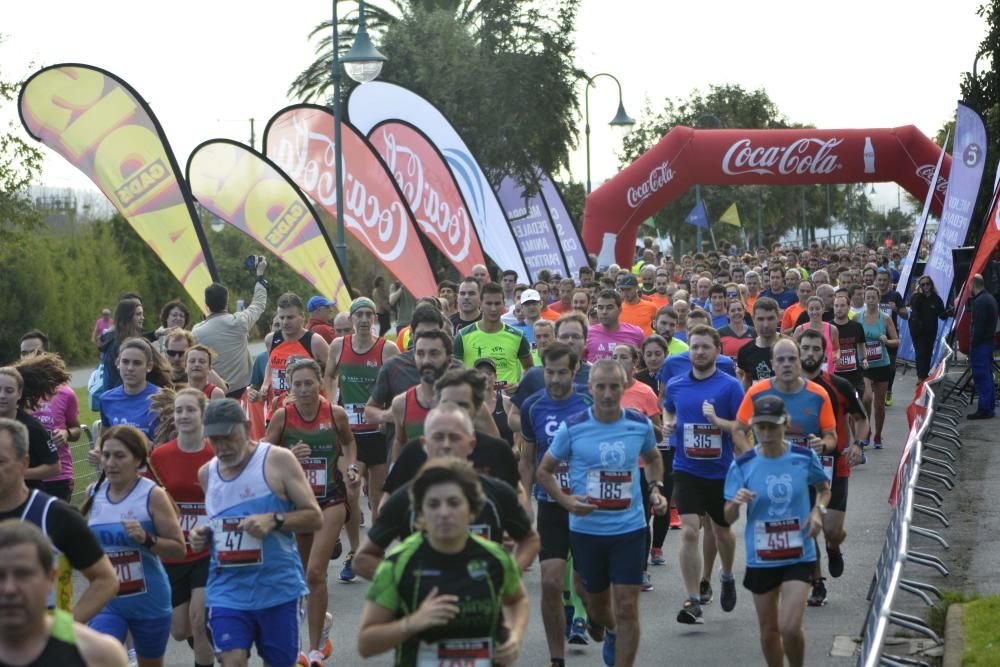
[(936, 614), (982, 641), (83, 473)]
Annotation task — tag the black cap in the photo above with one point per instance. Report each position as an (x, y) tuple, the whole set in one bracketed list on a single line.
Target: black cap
[(221, 416), (485, 361), (770, 409), (628, 280)]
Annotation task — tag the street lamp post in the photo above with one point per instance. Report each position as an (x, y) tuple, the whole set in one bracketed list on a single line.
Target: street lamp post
[(363, 63), (621, 118)]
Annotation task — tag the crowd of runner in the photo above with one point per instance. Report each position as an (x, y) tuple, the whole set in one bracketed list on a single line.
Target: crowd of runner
[(572, 421)]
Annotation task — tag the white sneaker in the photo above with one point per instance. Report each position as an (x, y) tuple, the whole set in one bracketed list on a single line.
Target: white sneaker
[(316, 659), (324, 635)]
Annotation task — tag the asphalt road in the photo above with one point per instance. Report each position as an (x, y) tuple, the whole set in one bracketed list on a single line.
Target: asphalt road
[(724, 639)]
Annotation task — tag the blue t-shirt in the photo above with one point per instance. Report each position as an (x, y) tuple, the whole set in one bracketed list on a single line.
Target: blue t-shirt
[(719, 321), (682, 336), (533, 381), (119, 408), (680, 364), (541, 416), (604, 466), (785, 299), (777, 519), (700, 448)]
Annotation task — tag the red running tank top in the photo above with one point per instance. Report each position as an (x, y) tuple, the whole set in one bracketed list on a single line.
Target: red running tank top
[(178, 472)]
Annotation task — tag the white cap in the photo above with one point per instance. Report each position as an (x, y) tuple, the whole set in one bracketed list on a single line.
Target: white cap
[(530, 295)]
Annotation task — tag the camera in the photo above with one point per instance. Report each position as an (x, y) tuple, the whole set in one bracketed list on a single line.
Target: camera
[(252, 261)]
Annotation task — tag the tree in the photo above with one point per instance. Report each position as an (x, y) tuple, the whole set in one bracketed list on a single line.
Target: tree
[(779, 209), (982, 92), (500, 70), (20, 164)]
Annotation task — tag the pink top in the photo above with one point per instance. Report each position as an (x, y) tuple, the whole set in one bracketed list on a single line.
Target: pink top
[(55, 413), (102, 324), (601, 342)]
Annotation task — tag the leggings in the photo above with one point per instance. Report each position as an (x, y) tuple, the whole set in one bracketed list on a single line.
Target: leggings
[(661, 524)]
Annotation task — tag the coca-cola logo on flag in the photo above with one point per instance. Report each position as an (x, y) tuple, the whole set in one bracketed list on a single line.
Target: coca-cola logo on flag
[(802, 156), (303, 147), (926, 172), (658, 177), (429, 189)]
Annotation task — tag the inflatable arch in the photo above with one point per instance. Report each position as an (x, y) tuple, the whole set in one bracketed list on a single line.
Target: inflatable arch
[(685, 157)]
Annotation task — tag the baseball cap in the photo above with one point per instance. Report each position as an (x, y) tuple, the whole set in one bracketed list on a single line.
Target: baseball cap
[(485, 361), (530, 295), (770, 409), (318, 302), (222, 416), (362, 302), (628, 280)]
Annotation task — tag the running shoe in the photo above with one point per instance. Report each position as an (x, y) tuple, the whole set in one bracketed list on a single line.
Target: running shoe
[(656, 557), (877, 442), (608, 652), (705, 594), (728, 598), (818, 596), (347, 573), (324, 635), (690, 613), (836, 562), (578, 632), (888, 399), (647, 582), (675, 519), (316, 659)]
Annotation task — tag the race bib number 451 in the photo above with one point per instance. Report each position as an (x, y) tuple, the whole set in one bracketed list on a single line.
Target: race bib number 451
[(778, 540), (610, 490)]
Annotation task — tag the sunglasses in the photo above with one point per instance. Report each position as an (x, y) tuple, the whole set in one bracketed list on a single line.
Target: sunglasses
[(175, 353)]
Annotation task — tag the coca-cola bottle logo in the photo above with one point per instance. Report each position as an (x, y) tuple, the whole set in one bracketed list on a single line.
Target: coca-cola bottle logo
[(440, 214), (304, 149), (803, 156)]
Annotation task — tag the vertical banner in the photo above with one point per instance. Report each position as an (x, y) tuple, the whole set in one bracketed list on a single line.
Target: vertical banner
[(248, 191), (533, 231), (106, 130), (918, 232), (378, 101), (431, 191), (299, 139), (572, 246)]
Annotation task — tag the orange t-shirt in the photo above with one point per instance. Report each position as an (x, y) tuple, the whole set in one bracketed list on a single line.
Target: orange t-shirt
[(640, 314), (812, 403), (549, 314), (791, 314), (657, 300)]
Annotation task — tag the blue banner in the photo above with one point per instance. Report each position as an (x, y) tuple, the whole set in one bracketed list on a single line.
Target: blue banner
[(969, 153), (698, 216), (533, 232), (572, 247)]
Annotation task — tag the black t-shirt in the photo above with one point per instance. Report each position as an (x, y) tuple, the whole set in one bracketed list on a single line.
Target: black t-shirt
[(755, 361), (850, 333), (644, 377), (458, 323), (41, 450), (67, 530), (804, 318), (892, 296), (501, 512), (491, 456)]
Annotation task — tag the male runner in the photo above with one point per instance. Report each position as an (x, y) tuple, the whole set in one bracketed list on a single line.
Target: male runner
[(469, 294), (892, 305), (608, 331), (432, 354), (634, 309), (293, 339), (29, 634), (542, 414), (603, 446), (664, 325), (72, 543), (754, 358), (354, 364), (852, 344), (570, 329), (490, 337), (256, 499), (700, 407)]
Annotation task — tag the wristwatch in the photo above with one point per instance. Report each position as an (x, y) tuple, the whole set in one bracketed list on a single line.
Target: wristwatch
[(822, 509), (279, 520), (859, 443)]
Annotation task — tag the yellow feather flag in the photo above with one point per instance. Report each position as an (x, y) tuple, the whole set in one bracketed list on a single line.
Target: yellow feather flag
[(731, 216)]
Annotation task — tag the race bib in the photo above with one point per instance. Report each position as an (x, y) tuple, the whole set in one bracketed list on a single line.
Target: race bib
[(456, 653), (278, 383), (316, 474), (778, 540), (355, 414), (702, 441), (192, 516), (827, 462), (873, 351), (562, 476), (610, 490), (235, 547), (128, 569), (848, 360)]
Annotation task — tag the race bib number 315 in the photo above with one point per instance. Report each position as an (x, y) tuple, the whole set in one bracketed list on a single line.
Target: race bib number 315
[(702, 441)]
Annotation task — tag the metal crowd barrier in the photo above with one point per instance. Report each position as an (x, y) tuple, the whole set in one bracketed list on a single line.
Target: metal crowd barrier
[(934, 431)]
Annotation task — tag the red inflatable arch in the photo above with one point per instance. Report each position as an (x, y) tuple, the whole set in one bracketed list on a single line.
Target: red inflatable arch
[(685, 157)]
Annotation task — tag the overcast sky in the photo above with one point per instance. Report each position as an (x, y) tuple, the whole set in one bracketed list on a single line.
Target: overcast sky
[(207, 67)]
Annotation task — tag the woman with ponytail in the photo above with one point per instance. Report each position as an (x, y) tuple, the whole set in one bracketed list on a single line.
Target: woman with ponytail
[(136, 522)]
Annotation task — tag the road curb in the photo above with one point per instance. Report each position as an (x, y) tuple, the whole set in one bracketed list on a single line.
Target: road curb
[(954, 644)]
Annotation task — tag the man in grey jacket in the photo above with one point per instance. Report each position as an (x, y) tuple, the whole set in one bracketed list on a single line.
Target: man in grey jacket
[(228, 333)]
